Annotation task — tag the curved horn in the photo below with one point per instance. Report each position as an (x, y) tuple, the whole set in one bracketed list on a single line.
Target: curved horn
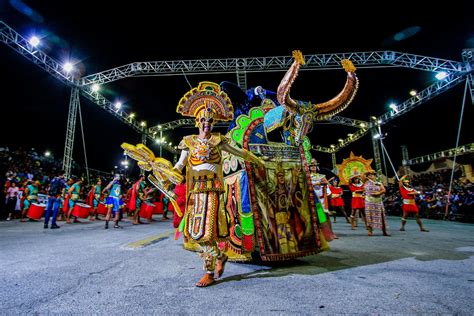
[(283, 92), (344, 98)]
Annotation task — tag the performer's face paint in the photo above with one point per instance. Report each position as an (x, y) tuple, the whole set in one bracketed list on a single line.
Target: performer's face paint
[(205, 120)]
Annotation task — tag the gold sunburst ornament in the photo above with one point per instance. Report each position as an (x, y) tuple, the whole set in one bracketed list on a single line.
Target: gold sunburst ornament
[(354, 165)]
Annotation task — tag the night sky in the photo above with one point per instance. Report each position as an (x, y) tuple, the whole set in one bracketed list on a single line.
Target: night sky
[(34, 105)]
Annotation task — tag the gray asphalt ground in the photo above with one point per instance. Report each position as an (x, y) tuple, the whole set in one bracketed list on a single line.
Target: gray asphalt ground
[(84, 269)]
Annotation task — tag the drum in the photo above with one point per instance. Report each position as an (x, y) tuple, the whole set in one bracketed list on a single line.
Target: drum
[(102, 209), (81, 210), (36, 211), (158, 208), (146, 210)]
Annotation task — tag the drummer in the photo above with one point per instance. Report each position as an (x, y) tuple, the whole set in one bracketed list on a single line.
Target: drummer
[(113, 201), (136, 199), (73, 192), (94, 198), (31, 193)]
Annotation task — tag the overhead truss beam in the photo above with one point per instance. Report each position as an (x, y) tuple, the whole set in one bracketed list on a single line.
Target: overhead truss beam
[(461, 150), (192, 122), (275, 63), (421, 97)]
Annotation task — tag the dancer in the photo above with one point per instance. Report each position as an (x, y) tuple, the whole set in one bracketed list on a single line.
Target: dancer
[(321, 191), (205, 219), (337, 202), (409, 205), (374, 209), (357, 204)]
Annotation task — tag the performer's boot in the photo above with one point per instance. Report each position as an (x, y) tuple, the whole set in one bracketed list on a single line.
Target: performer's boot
[(418, 220), (404, 221)]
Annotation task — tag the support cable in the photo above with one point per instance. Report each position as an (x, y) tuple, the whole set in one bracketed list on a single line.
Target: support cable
[(186, 77), (83, 141), (457, 144)]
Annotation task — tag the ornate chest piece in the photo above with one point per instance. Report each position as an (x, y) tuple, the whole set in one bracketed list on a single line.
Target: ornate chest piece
[(202, 150)]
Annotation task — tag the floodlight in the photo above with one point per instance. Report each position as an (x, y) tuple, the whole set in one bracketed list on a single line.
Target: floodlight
[(441, 75), (68, 67), (34, 41)]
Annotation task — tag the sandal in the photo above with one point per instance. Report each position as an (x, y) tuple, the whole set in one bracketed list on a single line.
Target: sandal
[(206, 280)]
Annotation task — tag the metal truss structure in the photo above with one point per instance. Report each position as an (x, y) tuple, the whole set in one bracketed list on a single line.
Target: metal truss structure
[(421, 97), (191, 123), (461, 150), (468, 58), (70, 131), (241, 66), (18, 43), (275, 63)]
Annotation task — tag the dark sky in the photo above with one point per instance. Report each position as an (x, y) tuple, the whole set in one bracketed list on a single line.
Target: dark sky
[(34, 104)]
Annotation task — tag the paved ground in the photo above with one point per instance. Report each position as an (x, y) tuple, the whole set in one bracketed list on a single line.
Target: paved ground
[(82, 268)]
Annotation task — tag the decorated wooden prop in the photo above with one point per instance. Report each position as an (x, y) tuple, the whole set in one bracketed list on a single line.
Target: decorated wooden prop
[(163, 175), (354, 165)]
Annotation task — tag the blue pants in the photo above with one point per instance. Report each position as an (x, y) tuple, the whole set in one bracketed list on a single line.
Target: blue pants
[(53, 205)]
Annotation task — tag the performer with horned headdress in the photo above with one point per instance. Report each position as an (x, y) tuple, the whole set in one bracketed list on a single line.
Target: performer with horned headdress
[(205, 218)]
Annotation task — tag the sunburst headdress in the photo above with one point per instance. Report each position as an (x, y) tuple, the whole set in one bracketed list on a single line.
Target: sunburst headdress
[(206, 101)]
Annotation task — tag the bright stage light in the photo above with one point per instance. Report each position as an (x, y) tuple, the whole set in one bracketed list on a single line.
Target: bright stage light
[(143, 123), (340, 140), (170, 144), (34, 41), (117, 105), (362, 125), (441, 75), (413, 93), (68, 67), (349, 135), (159, 126), (163, 140), (157, 141), (95, 87), (376, 136), (332, 146), (47, 153), (132, 115), (394, 107)]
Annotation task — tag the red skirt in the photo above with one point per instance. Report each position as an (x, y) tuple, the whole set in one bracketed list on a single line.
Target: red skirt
[(358, 202), (410, 208)]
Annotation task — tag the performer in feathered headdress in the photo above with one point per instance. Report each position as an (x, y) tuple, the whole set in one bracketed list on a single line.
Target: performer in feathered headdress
[(205, 219)]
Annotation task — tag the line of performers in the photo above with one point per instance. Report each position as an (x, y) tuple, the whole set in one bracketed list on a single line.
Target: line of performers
[(64, 200), (366, 201)]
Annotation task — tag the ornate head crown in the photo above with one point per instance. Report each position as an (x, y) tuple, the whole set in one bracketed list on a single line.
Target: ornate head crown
[(207, 100)]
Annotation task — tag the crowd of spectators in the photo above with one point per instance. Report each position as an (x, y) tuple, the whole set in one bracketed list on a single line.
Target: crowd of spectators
[(434, 198)]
